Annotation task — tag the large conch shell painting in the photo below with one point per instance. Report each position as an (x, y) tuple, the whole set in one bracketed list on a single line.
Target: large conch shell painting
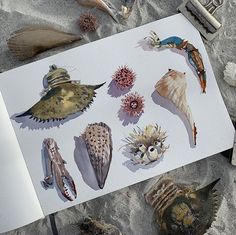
[(181, 209), (61, 97), (194, 57), (173, 86)]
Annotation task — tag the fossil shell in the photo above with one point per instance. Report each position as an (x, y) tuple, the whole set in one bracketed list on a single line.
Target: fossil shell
[(61, 97), (230, 74), (100, 4), (180, 209), (30, 41), (98, 141), (146, 145), (173, 86)]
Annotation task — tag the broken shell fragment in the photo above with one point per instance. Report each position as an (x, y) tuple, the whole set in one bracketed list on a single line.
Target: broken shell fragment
[(180, 209), (30, 41), (97, 138), (173, 86)]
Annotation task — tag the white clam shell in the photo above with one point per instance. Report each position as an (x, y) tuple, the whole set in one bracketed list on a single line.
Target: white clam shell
[(230, 74)]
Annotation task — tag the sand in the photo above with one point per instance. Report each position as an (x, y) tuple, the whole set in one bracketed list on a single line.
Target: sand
[(127, 208)]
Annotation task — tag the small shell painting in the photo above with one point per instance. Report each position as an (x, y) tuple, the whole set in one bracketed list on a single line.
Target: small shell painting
[(180, 209), (194, 57), (97, 138), (147, 145), (61, 97), (173, 86)]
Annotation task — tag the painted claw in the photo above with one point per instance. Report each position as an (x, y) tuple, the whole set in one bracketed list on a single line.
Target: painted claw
[(55, 168)]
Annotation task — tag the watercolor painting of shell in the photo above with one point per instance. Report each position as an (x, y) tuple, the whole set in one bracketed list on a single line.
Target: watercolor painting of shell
[(61, 97), (55, 170), (30, 41), (146, 145), (194, 57), (180, 209), (173, 86), (98, 140)]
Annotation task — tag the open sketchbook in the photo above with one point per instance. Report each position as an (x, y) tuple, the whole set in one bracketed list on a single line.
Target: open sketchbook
[(106, 115)]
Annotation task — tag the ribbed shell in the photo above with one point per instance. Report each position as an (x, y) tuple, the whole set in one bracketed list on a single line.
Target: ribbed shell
[(173, 86), (30, 41)]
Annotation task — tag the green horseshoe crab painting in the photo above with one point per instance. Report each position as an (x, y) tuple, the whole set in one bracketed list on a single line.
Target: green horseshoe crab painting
[(61, 98)]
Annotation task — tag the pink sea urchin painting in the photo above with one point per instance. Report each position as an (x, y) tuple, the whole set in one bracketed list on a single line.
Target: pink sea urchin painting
[(133, 104), (88, 22), (124, 77)]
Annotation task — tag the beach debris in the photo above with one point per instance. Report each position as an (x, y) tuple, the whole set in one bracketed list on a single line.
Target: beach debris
[(98, 140), (100, 4), (88, 22), (126, 8), (173, 86), (230, 74), (30, 41), (61, 97), (194, 56), (147, 145), (180, 209), (133, 104), (124, 77), (90, 226), (56, 171)]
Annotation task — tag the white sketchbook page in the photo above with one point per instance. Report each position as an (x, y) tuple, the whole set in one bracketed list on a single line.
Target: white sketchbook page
[(95, 63), (19, 204)]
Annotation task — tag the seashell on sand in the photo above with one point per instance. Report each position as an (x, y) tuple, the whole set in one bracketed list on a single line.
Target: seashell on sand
[(181, 209), (173, 86), (230, 74), (100, 4), (98, 142), (30, 41)]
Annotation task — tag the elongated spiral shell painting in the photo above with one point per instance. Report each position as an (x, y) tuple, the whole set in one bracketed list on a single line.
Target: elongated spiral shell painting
[(173, 86), (61, 97), (180, 209), (97, 138)]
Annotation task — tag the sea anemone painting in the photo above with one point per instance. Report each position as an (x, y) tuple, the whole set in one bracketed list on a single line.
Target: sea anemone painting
[(124, 77), (133, 104)]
